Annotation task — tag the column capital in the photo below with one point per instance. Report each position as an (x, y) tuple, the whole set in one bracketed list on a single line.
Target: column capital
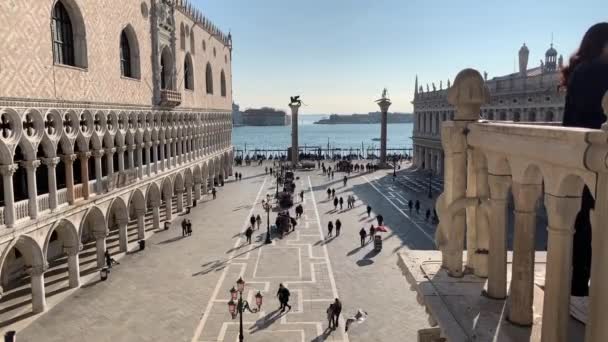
[(73, 251), (84, 155), (37, 270), (8, 170), (148, 144), (30, 164), (561, 213), (525, 197), (110, 151), (499, 187), (50, 162), (131, 147), (68, 158), (97, 153), (100, 234), (140, 212), (121, 148)]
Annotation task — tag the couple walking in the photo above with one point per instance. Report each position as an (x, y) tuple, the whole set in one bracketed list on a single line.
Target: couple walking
[(333, 313), (330, 228), (186, 227)]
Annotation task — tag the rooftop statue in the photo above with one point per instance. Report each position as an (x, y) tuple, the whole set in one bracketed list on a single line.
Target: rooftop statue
[(384, 93), (434, 88), (295, 100)]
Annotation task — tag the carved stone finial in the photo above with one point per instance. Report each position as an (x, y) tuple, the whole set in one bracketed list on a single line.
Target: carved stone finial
[(468, 94)]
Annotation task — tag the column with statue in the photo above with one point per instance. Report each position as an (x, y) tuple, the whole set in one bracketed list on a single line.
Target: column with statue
[(294, 104), (384, 102)]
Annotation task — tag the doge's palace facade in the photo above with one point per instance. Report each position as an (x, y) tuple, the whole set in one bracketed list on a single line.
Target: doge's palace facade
[(114, 116), (529, 96)]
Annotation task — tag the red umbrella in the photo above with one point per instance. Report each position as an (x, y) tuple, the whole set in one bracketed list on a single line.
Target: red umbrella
[(382, 229)]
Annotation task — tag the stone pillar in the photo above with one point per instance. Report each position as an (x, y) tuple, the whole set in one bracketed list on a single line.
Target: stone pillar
[(140, 160), (30, 167), (84, 173), (174, 152), (68, 160), (141, 223), (155, 216), (51, 163), (147, 146), (169, 209), (161, 157), (155, 156), (477, 226), (179, 151), (73, 266), (497, 254), (7, 172), (197, 190), (130, 149), (123, 239), (522, 279), (121, 158), (168, 153), (97, 154), (110, 161), (561, 213), (37, 283), (295, 151), (100, 247), (180, 200), (384, 104)]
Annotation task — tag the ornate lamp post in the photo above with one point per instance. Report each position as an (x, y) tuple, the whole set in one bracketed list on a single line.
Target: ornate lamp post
[(237, 308), (266, 205)]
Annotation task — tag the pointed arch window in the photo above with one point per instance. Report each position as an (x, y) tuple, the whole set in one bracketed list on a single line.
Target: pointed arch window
[(125, 55), (63, 36), (188, 73), (129, 53), (209, 79), (223, 84)]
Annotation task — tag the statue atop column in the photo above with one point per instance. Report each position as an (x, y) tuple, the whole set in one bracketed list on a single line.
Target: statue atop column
[(434, 88), (384, 94), (295, 100)]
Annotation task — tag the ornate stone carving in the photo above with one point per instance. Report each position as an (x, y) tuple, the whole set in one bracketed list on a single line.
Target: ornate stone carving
[(468, 94)]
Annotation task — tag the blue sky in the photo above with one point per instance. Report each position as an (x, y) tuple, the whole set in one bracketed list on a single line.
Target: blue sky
[(339, 54)]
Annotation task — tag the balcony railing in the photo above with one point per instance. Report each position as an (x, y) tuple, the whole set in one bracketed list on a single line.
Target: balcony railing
[(43, 202), (484, 163), (170, 98), (22, 209)]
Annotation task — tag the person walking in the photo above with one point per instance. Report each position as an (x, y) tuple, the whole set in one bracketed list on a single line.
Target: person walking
[(428, 214), (248, 234), (266, 170), (302, 196), (188, 228), (330, 228), (345, 179), (338, 227), (333, 193), (252, 221), (341, 202), (417, 206), (240, 176), (337, 310), (586, 81), (362, 235), (410, 204), (328, 193), (380, 219), (369, 211), (372, 232), (109, 260), (335, 203), (330, 315), (258, 221), (283, 294), (184, 227), (332, 175), (214, 193)]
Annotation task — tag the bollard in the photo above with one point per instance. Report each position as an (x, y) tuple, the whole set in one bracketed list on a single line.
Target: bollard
[(142, 244), (167, 225)]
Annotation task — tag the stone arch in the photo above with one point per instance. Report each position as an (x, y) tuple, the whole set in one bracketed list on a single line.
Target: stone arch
[(22, 253), (128, 40), (178, 183), (66, 234), (136, 202), (223, 84), (94, 222), (188, 72), (209, 79), (166, 68), (571, 185), (117, 213), (188, 179)]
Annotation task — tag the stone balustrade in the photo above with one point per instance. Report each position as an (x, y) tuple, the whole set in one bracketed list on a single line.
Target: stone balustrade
[(484, 162)]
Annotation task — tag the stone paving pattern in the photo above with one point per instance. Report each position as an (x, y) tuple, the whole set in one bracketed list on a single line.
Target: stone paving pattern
[(177, 288)]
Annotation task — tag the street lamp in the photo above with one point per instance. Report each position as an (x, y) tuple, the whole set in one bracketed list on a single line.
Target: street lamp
[(238, 307), (266, 205)]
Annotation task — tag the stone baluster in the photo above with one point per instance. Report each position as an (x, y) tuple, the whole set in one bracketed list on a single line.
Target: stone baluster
[(30, 167), (147, 146), (155, 156), (522, 279), (7, 172), (68, 160), (162, 154), (84, 172), (497, 217), (73, 266), (51, 164), (561, 213), (110, 161), (97, 154), (130, 150), (36, 273), (140, 160), (121, 158)]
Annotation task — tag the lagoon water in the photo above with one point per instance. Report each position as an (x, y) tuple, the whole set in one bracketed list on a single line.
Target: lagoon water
[(342, 136)]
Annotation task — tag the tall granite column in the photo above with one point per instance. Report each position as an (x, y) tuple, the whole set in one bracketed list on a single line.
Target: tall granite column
[(294, 133), (384, 103)]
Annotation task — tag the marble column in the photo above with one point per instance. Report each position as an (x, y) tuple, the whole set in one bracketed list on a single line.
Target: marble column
[(155, 156), (180, 200), (73, 266), (522, 280), (169, 209), (197, 190), (37, 283), (140, 160), (497, 254), (188, 195), (168, 153), (141, 223), (295, 152), (84, 173), (32, 193), (51, 163), (100, 247), (179, 151), (156, 216), (121, 158), (561, 213), (7, 172), (110, 161), (147, 146), (161, 150), (384, 104), (123, 239), (97, 154), (68, 160), (130, 149)]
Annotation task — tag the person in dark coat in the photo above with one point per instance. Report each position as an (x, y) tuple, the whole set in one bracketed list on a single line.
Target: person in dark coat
[(341, 202), (417, 206), (380, 219), (338, 226), (333, 193), (369, 211), (335, 203), (410, 204), (362, 235), (328, 193), (188, 228), (109, 260), (302, 196), (252, 221), (330, 228), (248, 234), (586, 82), (283, 294), (184, 227), (337, 311), (428, 214), (214, 193), (372, 232)]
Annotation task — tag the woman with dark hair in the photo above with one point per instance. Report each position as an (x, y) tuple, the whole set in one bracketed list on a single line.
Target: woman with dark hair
[(586, 81)]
